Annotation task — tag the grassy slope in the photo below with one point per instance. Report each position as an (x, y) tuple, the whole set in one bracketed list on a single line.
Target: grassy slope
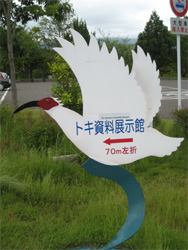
[(45, 205)]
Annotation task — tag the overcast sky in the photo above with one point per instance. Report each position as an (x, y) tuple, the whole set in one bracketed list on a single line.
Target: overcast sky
[(125, 18)]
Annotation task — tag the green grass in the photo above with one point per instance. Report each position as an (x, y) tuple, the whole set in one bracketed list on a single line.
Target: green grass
[(61, 206)]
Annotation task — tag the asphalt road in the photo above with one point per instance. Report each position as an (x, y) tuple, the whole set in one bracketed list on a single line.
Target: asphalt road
[(170, 97), (31, 91)]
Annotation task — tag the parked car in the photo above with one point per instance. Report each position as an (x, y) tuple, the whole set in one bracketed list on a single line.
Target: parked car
[(4, 81)]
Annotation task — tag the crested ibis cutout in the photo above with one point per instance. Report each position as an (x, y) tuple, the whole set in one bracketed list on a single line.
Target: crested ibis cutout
[(118, 107)]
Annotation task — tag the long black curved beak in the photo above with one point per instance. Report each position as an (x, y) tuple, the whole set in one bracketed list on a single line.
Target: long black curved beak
[(27, 105)]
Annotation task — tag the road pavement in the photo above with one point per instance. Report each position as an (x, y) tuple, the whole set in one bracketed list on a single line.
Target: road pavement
[(31, 91), (169, 100)]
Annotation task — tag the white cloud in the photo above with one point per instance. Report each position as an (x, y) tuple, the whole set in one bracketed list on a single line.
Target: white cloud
[(121, 17)]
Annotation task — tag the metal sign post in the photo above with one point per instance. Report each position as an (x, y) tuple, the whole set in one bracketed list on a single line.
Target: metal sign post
[(180, 27), (179, 69)]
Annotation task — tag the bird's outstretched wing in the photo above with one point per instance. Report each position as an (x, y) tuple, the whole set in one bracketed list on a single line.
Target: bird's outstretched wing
[(147, 78), (106, 85)]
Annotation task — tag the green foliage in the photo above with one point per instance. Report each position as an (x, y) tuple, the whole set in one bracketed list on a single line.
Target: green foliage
[(31, 55), (14, 13), (161, 45), (158, 41), (171, 68), (181, 118), (29, 132), (184, 53), (81, 27), (34, 134), (4, 66), (24, 11), (56, 25), (28, 53), (33, 48), (157, 120), (6, 115), (9, 182), (66, 88)]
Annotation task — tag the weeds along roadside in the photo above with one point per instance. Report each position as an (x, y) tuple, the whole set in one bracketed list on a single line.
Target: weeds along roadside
[(60, 205)]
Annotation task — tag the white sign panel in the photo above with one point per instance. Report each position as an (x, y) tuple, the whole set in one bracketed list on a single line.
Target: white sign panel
[(179, 26)]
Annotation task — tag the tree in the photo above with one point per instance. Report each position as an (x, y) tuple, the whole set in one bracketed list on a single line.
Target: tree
[(81, 27), (25, 10), (57, 25), (4, 66), (184, 53), (63, 16), (157, 40), (30, 54)]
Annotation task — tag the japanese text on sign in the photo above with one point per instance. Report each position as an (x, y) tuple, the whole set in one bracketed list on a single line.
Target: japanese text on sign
[(179, 26), (111, 127), (125, 150)]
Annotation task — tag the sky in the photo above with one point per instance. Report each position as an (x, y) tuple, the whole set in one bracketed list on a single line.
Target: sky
[(121, 18)]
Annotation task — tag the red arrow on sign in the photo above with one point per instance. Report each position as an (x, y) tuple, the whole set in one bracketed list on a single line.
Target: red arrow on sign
[(110, 141)]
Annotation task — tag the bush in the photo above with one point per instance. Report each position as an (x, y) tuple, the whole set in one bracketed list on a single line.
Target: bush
[(66, 88), (37, 131), (157, 120), (181, 118), (28, 129)]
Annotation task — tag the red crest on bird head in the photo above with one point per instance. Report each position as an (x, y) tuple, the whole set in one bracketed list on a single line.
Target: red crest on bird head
[(47, 103)]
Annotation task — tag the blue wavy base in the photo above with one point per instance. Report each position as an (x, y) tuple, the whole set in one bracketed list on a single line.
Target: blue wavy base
[(134, 194)]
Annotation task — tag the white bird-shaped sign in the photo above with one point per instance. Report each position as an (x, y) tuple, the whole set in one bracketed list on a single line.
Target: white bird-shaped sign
[(118, 106), (117, 110)]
